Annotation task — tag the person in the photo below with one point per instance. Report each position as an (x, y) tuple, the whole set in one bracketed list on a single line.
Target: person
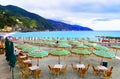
[(57, 43), (16, 53)]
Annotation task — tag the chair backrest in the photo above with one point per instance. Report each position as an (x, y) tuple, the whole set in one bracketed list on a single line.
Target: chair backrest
[(25, 73), (49, 67), (87, 67), (57, 70), (93, 68), (111, 68), (108, 74), (37, 72), (64, 69), (66, 66), (83, 71)]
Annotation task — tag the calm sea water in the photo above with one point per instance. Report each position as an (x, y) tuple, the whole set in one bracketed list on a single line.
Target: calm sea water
[(67, 34)]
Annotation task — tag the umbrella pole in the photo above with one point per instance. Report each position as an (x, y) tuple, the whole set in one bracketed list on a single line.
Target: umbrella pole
[(79, 59), (116, 52), (101, 61), (38, 62), (59, 60)]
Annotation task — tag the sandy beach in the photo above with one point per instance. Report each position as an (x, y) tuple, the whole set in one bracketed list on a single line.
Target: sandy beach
[(70, 74)]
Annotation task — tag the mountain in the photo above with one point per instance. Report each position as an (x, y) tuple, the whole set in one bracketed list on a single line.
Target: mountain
[(65, 26), (28, 21)]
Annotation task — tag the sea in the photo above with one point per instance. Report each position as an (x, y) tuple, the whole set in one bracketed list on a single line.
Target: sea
[(66, 34)]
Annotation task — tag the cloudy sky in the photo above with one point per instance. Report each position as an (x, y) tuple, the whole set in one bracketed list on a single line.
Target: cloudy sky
[(96, 14)]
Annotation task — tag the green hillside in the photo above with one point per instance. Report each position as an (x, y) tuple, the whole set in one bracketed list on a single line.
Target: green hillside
[(26, 21), (23, 18)]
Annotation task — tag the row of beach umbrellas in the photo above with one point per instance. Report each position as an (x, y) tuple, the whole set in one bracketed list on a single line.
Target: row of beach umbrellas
[(34, 52)]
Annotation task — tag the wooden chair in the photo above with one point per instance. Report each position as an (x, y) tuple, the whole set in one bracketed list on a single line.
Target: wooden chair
[(111, 68), (74, 68), (37, 73), (51, 68), (95, 71), (28, 65), (83, 72), (57, 71), (63, 70), (25, 73), (87, 67), (21, 65), (107, 74)]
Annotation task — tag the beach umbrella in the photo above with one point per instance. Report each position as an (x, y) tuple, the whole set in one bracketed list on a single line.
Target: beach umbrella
[(103, 54), (49, 43), (99, 47), (80, 53), (115, 48), (59, 53), (64, 45), (1, 37), (38, 55)]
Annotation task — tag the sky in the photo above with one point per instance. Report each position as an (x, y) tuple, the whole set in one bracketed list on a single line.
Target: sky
[(95, 14)]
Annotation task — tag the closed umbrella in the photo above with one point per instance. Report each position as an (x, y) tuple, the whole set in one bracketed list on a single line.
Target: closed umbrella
[(59, 53)]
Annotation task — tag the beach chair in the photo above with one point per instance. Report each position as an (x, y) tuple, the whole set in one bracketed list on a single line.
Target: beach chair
[(51, 68), (83, 72), (57, 71), (25, 74), (37, 73), (95, 71), (107, 74), (87, 67), (63, 70), (74, 68)]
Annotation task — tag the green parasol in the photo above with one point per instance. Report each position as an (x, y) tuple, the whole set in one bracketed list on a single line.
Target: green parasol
[(59, 53), (104, 54), (37, 54), (80, 53), (115, 48), (64, 45)]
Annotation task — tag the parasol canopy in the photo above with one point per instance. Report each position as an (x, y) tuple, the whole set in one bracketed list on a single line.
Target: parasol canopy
[(103, 54), (37, 54), (59, 53), (80, 53)]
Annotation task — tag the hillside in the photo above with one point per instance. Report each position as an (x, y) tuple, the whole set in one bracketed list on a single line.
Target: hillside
[(27, 21), (65, 26)]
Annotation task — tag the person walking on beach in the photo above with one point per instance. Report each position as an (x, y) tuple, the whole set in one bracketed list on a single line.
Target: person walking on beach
[(57, 43)]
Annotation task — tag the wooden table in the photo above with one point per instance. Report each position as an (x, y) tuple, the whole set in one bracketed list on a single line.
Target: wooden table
[(24, 56), (102, 68), (32, 68), (80, 66), (27, 61), (58, 66)]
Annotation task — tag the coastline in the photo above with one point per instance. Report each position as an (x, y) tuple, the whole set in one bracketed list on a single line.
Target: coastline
[(4, 34)]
